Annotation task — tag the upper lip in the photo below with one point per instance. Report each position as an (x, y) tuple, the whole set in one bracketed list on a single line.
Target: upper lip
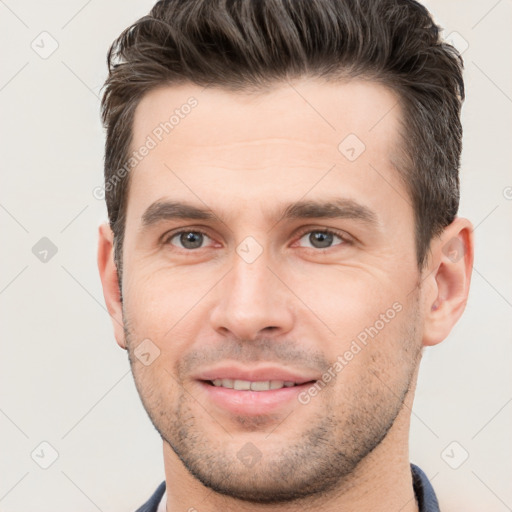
[(262, 373)]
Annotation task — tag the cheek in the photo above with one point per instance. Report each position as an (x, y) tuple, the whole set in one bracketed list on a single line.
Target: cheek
[(375, 366), (161, 295), (162, 304), (349, 300)]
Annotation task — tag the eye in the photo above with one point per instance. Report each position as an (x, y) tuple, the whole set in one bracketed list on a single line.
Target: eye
[(314, 239), (188, 239), (322, 238)]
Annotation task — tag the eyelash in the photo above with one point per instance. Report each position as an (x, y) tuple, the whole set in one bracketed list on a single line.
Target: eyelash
[(344, 238), (328, 231)]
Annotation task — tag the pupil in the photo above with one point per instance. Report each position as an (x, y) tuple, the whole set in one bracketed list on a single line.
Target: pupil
[(320, 240)]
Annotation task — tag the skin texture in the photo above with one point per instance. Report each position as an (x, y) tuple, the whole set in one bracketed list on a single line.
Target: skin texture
[(296, 306)]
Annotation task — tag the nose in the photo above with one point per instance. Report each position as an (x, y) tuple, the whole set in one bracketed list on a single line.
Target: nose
[(252, 301)]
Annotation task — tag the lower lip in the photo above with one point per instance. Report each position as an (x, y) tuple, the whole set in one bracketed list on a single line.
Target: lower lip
[(252, 403)]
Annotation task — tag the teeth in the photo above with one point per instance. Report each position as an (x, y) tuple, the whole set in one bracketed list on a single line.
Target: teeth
[(245, 385), (260, 386), (242, 385)]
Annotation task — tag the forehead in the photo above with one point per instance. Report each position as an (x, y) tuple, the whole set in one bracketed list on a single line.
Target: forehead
[(296, 138), (327, 111)]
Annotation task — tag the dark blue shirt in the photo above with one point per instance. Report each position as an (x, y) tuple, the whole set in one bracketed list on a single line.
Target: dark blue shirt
[(425, 495)]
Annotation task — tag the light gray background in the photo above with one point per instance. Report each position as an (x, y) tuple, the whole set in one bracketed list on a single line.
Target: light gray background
[(63, 379)]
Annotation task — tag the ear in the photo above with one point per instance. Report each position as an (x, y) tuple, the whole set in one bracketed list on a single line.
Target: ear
[(448, 279), (109, 281)]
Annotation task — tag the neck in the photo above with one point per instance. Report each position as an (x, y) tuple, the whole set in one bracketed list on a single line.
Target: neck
[(381, 482)]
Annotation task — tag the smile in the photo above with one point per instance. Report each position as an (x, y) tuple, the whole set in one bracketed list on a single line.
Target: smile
[(247, 385)]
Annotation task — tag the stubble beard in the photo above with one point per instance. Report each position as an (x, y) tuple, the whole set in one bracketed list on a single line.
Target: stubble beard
[(324, 455)]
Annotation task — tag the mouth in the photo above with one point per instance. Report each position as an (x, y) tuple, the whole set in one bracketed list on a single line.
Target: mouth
[(256, 391), (258, 385)]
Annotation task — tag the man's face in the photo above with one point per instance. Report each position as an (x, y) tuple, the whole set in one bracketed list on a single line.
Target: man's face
[(258, 295)]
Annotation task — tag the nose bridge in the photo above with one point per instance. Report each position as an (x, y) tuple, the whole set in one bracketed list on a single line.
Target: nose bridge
[(250, 279), (251, 298)]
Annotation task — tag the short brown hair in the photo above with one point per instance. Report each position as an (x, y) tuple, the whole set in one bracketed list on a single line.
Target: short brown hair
[(243, 45)]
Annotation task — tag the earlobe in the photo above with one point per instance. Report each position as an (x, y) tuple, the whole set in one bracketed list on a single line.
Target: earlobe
[(109, 281), (449, 278)]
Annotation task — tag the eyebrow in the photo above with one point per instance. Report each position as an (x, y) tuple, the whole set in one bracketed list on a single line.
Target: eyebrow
[(338, 208)]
